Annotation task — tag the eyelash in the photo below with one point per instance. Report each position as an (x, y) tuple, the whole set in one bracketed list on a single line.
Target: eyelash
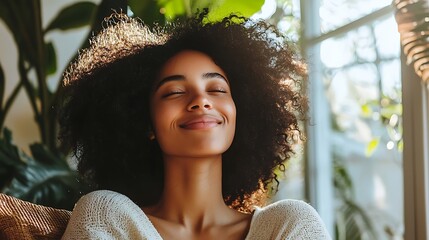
[(172, 93), (219, 90)]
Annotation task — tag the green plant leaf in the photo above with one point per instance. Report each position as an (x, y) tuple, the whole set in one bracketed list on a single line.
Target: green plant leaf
[(401, 145), (388, 111), (173, 9), (51, 58), (371, 146), (342, 181), (42, 154), (10, 158), (74, 16), (366, 110), (199, 5), (359, 223), (60, 191), (5, 14), (2, 92), (2, 86), (20, 16), (49, 185), (147, 11), (242, 7), (5, 104), (7, 146), (47, 180)]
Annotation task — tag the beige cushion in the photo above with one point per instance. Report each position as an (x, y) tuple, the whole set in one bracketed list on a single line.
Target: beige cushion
[(24, 220)]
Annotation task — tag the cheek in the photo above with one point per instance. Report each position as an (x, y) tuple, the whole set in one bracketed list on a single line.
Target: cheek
[(230, 108), (161, 117), (158, 116), (231, 113)]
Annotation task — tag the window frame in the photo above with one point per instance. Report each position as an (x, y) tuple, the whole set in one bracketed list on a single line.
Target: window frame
[(415, 100)]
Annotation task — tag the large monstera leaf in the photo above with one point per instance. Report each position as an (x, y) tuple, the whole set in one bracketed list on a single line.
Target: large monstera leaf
[(45, 178)]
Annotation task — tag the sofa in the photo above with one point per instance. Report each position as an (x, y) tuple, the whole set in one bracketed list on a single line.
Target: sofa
[(24, 220)]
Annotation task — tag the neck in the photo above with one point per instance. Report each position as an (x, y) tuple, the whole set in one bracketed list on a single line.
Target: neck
[(192, 191)]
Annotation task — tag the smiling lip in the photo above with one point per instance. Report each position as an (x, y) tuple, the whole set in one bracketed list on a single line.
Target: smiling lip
[(202, 122)]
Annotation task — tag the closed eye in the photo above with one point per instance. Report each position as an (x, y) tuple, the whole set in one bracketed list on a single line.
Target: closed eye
[(173, 93), (218, 90)]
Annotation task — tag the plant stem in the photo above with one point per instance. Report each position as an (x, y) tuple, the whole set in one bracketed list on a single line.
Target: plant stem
[(2, 90), (8, 104), (27, 85), (44, 120)]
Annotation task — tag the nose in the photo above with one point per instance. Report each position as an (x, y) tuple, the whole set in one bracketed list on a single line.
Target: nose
[(198, 102)]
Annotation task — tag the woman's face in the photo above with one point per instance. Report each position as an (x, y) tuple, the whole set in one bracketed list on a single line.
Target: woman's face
[(192, 109)]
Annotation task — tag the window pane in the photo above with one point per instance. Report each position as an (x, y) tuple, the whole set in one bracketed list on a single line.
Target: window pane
[(336, 13), (362, 77)]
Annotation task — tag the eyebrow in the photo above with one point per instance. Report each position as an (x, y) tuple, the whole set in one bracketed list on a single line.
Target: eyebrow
[(209, 75)]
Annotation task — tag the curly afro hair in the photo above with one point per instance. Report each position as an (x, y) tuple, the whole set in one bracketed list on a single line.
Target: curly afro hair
[(105, 115)]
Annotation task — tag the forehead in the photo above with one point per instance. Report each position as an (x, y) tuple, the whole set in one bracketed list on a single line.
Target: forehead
[(189, 62)]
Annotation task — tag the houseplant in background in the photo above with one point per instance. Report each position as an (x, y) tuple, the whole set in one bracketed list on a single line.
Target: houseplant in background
[(45, 177)]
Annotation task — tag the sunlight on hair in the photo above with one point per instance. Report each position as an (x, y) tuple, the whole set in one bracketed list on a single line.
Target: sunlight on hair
[(121, 36)]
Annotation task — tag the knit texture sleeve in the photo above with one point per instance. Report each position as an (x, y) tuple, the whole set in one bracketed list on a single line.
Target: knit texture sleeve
[(108, 215), (287, 219)]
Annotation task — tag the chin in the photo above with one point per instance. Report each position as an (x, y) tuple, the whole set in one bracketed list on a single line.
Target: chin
[(197, 150), (203, 152), (193, 146)]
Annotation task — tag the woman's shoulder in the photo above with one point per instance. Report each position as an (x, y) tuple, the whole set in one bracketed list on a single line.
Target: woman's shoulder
[(288, 219), (102, 204), (287, 207), (105, 214), (102, 196), (101, 201)]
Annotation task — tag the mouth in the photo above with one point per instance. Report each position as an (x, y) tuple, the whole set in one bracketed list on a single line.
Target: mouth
[(201, 122)]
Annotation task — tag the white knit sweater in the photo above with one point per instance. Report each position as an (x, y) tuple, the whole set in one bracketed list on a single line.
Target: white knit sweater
[(110, 215)]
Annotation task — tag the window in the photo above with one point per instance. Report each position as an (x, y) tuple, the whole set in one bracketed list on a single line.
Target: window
[(367, 159), (356, 132)]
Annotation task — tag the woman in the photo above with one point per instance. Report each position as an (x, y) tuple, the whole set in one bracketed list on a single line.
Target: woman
[(180, 130)]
